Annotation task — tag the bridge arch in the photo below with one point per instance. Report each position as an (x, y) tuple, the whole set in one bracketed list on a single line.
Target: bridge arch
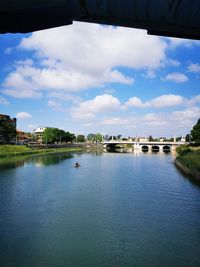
[(111, 146), (166, 148), (144, 148), (155, 148)]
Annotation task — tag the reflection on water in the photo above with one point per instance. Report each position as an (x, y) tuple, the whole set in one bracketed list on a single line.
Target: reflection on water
[(47, 160), (53, 159), (120, 150), (38, 161), (136, 151)]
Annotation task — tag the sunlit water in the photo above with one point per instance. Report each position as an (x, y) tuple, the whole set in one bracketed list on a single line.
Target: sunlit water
[(115, 210)]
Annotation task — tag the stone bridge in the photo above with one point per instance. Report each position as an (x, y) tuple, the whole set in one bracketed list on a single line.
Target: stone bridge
[(145, 146)]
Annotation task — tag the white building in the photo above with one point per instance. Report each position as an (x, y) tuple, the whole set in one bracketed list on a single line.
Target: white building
[(143, 139), (38, 132)]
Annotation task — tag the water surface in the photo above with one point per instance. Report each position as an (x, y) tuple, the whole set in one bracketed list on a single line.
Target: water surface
[(115, 210)]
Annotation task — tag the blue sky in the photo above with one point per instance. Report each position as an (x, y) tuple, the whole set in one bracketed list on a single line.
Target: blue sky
[(86, 78)]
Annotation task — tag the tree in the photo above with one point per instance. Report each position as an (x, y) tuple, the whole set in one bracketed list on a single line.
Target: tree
[(188, 138), (98, 137), (196, 132), (80, 138), (58, 135), (178, 139), (48, 136), (119, 137), (69, 137), (106, 137), (91, 137), (150, 138), (52, 135), (112, 137), (8, 131)]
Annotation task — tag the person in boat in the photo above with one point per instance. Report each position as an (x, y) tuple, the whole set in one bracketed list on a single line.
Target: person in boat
[(77, 164)]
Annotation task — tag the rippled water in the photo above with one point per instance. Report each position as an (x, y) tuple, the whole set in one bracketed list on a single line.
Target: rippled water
[(114, 210)]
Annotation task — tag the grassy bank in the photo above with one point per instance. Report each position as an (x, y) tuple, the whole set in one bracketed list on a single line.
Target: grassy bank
[(8, 151), (188, 161)]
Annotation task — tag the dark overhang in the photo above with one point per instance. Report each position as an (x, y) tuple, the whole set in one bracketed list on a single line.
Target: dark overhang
[(177, 18)]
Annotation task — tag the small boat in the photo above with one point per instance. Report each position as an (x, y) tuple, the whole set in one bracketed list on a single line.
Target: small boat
[(77, 165)]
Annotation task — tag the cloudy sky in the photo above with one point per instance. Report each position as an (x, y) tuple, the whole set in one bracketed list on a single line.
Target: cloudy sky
[(88, 78)]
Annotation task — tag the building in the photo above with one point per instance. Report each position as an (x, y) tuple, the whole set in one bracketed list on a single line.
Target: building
[(23, 138), (143, 139), (38, 133), (7, 129)]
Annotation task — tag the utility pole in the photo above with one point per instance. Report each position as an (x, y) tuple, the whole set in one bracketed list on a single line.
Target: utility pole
[(174, 138)]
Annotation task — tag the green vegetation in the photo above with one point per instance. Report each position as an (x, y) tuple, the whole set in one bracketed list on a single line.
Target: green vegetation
[(196, 132), (94, 137), (188, 161), (190, 158), (80, 138), (183, 150), (53, 135), (16, 151), (8, 131)]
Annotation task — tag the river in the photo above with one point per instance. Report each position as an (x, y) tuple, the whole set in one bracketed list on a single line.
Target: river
[(115, 210)]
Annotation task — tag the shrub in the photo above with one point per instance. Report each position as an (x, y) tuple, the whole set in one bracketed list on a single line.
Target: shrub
[(183, 150)]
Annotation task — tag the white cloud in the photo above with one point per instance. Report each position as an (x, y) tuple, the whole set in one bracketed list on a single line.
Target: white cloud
[(136, 102), (178, 122), (115, 121), (187, 114), (176, 77), (23, 115), (196, 99), (63, 96), (96, 48), (80, 57), (194, 67), (84, 56), (167, 124), (18, 85), (152, 119), (32, 126), (176, 42), (29, 82), (3, 101), (162, 101), (100, 104), (173, 63), (159, 124), (150, 74), (54, 104)]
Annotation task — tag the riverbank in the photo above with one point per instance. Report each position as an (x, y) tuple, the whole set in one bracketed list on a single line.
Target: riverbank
[(188, 161), (11, 151)]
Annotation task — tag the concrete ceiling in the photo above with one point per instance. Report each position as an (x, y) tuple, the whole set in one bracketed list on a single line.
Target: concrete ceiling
[(177, 18)]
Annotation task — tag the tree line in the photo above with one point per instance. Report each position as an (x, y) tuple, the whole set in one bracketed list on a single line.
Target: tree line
[(53, 135), (195, 133)]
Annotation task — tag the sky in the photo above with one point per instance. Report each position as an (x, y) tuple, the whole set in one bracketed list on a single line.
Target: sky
[(88, 78)]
